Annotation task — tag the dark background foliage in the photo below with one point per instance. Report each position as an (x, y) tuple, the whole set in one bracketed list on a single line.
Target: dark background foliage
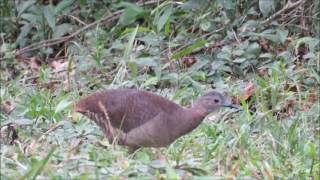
[(263, 53)]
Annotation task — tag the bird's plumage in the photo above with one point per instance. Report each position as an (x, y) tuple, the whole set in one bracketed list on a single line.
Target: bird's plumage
[(144, 119)]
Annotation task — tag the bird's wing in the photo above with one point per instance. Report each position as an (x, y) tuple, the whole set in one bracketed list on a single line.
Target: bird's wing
[(154, 133)]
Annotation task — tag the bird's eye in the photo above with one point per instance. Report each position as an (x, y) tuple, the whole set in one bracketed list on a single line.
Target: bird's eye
[(216, 100)]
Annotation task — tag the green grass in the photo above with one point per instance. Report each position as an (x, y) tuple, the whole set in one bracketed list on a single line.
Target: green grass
[(240, 144), (178, 53)]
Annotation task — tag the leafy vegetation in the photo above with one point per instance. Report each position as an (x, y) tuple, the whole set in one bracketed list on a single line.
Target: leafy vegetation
[(264, 53)]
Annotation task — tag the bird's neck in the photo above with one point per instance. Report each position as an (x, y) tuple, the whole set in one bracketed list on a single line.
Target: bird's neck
[(198, 110), (191, 118)]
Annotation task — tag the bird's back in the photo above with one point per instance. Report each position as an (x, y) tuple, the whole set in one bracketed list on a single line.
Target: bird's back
[(130, 108)]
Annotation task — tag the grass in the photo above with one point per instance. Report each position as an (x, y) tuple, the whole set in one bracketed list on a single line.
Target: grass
[(238, 144), (273, 74)]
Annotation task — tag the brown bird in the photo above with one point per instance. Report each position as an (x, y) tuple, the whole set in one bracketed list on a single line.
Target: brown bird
[(139, 118)]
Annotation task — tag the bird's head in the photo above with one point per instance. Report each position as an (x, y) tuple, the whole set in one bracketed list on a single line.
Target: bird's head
[(88, 105), (212, 101)]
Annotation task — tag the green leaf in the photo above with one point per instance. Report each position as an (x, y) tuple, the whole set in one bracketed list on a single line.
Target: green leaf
[(282, 35), (82, 2), (43, 163), (254, 48), (38, 166), (25, 5), (140, 29), (167, 26), (48, 13), (133, 68), (62, 105), (198, 65), (205, 25), (130, 13), (62, 29), (310, 149), (171, 174), (24, 31), (130, 44), (189, 49), (23, 121), (245, 107), (229, 4), (62, 6), (197, 171), (239, 60), (225, 53), (199, 76), (311, 42), (194, 4), (164, 18), (266, 7), (147, 61), (150, 81), (32, 18)]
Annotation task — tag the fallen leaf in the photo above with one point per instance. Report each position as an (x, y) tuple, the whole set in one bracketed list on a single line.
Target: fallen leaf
[(288, 107), (263, 71), (186, 175), (234, 171), (66, 86), (187, 61), (8, 107), (34, 64), (10, 131), (265, 45), (55, 64), (248, 91), (312, 98)]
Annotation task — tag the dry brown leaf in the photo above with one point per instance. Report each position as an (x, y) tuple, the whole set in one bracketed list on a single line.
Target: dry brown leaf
[(55, 64), (265, 45), (66, 85), (187, 61), (234, 171), (186, 175), (313, 98), (263, 71), (266, 173), (34, 64), (288, 106), (8, 107), (248, 91), (9, 131)]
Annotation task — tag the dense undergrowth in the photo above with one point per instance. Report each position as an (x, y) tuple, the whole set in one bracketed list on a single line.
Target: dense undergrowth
[(264, 54)]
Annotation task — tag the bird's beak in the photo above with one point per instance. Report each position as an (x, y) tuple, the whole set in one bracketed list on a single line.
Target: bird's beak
[(231, 106)]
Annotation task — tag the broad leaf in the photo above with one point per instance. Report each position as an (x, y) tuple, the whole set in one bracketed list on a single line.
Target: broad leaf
[(164, 18), (62, 105), (62, 29), (266, 7), (189, 49), (63, 5), (48, 13), (130, 13), (25, 5)]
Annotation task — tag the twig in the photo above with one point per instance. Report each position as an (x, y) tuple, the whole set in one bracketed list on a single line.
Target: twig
[(302, 16), (289, 6), (76, 19)]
